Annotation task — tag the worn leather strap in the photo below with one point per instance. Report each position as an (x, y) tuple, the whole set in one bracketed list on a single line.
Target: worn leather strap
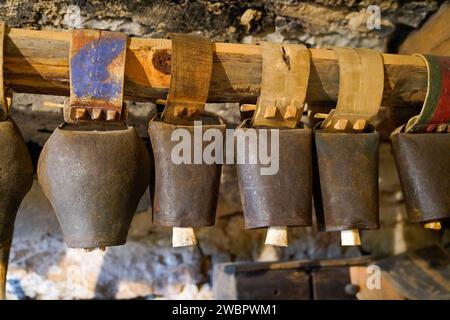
[(285, 75), (361, 84), (436, 107), (191, 69), (97, 71), (4, 105)]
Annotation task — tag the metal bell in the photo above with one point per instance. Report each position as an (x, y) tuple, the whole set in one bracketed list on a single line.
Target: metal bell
[(422, 150), (94, 177), (185, 195), (346, 180), (16, 178), (423, 163), (282, 199)]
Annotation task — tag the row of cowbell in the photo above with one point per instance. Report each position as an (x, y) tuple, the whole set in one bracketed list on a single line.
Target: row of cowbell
[(94, 177)]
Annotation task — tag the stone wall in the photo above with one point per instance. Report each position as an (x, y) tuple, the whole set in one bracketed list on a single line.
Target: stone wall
[(316, 23), (41, 266)]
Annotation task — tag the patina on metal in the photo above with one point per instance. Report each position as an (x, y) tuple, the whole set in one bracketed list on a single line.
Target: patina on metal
[(423, 163), (282, 199), (94, 168), (94, 177), (185, 194), (346, 180), (422, 151), (346, 149), (16, 173), (16, 178)]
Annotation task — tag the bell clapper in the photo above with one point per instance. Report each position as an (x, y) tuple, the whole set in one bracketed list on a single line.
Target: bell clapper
[(277, 236), (433, 225), (247, 107), (350, 237), (183, 237)]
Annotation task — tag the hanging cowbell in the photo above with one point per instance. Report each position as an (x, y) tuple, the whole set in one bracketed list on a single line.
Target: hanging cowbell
[(277, 194), (94, 168), (422, 151), (346, 149), (16, 174), (186, 185)]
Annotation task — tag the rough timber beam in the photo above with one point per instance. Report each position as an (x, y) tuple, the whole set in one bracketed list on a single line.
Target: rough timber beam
[(37, 62)]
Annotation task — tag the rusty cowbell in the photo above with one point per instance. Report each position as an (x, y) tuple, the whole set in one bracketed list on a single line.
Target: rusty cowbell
[(346, 149), (94, 168), (186, 192), (16, 174), (277, 194), (16, 178), (422, 151)]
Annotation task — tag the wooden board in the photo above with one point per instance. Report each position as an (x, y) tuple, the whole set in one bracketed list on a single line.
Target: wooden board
[(298, 280), (433, 37), (332, 284), (423, 274)]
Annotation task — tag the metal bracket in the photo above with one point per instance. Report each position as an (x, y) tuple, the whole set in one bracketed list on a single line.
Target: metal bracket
[(191, 69), (285, 78), (97, 71)]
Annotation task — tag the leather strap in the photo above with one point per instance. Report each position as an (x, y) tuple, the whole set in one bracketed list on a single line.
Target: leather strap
[(436, 107), (191, 68), (285, 75), (361, 84), (97, 71), (4, 104)]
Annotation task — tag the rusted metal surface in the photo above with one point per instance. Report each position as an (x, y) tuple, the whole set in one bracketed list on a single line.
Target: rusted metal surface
[(97, 68), (185, 195), (346, 180), (94, 177), (16, 178), (283, 199), (423, 163)]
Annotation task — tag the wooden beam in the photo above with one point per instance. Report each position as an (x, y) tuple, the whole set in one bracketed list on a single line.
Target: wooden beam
[(38, 62), (433, 37)]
